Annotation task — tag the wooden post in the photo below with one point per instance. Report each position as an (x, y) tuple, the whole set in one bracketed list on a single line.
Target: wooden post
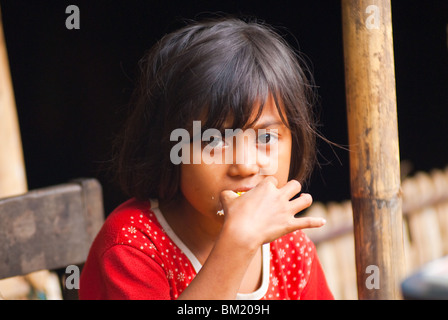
[(374, 152), (12, 167)]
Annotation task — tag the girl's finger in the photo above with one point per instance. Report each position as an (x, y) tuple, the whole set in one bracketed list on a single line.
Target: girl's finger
[(301, 203), (225, 196), (291, 188), (306, 223)]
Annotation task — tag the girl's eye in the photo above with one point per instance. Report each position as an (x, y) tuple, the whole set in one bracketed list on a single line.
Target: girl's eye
[(267, 138)]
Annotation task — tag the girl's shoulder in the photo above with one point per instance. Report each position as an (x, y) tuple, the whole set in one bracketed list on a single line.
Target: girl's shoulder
[(131, 245), (133, 223)]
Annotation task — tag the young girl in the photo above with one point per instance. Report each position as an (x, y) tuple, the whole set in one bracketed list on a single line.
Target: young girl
[(205, 229)]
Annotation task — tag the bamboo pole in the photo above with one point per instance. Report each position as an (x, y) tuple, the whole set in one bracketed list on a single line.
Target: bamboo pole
[(12, 170), (374, 152), (12, 167)]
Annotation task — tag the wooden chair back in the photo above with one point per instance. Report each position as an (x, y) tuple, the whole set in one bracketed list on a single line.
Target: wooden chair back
[(49, 228)]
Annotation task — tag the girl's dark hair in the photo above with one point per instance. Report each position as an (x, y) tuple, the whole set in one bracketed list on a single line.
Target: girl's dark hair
[(215, 71)]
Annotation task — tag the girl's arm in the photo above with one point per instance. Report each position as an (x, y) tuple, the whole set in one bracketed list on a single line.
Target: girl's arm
[(221, 275), (248, 224)]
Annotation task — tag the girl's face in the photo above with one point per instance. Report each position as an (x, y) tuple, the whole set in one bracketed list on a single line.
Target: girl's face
[(266, 145)]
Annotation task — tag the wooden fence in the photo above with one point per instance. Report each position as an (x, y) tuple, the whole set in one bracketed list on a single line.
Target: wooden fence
[(425, 231)]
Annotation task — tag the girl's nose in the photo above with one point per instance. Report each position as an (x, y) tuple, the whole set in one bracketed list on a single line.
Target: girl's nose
[(244, 170), (244, 157)]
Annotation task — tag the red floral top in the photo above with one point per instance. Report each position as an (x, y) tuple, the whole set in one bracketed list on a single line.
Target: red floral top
[(136, 255)]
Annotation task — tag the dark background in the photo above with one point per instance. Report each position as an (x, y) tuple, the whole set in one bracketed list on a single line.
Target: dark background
[(72, 86)]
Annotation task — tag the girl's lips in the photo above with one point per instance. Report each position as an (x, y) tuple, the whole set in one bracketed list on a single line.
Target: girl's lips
[(242, 189)]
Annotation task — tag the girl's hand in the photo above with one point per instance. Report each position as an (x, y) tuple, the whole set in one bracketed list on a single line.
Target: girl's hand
[(266, 213)]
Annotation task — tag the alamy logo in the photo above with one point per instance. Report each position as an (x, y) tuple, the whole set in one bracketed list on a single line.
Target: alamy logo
[(72, 21), (373, 20), (238, 146), (72, 279), (373, 280)]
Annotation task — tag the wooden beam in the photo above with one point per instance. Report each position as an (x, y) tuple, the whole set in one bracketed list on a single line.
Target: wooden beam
[(374, 151), (49, 228)]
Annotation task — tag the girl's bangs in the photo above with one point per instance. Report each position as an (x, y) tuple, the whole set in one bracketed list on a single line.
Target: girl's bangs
[(238, 109)]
